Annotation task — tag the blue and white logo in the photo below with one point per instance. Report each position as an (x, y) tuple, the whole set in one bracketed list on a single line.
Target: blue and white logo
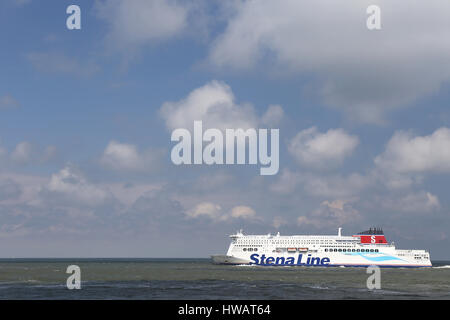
[(309, 261)]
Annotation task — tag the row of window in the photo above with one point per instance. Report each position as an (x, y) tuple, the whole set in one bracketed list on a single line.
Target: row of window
[(351, 250), (286, 241), (250, 249), (242, 245)]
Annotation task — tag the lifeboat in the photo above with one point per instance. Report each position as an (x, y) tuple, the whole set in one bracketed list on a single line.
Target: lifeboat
[(292, 249)]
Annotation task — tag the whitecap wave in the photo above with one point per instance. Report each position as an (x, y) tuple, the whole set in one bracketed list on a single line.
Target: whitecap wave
[(319, 287), (442, 267)]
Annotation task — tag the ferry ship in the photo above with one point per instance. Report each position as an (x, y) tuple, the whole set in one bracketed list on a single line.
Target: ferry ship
[(367, 248)]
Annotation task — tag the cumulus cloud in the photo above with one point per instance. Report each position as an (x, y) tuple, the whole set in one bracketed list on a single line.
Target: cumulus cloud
[(323, 185), (214, 104), (406, 153), (122, 156), (313, 148), (70, 187), (366, 73), (396, 181), (21, 188), (65, 204), (26, 153), (214, 212), (205, 209), (22, 152), (415, 202), (243, 212), (273, 115), (126, 157), (331, 214), (69, 203), (141, 22)]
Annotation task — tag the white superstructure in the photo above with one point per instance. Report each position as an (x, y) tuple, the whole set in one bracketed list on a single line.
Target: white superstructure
[(364, 249)]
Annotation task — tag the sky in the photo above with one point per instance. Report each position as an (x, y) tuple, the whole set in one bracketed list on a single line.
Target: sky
[(86, 118)]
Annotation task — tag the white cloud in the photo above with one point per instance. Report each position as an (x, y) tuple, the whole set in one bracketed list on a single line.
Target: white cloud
[(395, 181), (273, 115), (313, 148), (205, 209), (71, 187), (418, 202), (22, 153), (26, 153), (28, 185), (68, 202), (214, 104), (140, 22), (365, 73), (243, 212), (323, 186), (122, 156), (214, 212), (126, 157), (405, 153)]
